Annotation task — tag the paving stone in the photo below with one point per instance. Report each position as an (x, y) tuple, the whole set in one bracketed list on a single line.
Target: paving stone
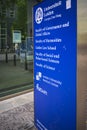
[(19, 118)]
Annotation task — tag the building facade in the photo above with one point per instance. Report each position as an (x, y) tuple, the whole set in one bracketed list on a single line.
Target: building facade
[(7, 17)]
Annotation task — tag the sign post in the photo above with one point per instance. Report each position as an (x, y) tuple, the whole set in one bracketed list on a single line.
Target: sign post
[(55, 55)]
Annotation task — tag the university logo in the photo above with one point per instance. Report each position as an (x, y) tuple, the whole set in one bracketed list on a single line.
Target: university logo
[(39, 15), (38, 76)]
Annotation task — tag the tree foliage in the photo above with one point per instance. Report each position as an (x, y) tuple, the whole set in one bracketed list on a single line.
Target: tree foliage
[(21, 17), (7, 3), (21, 13)]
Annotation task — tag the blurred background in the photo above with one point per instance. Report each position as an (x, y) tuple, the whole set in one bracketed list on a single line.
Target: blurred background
[(16, 46)]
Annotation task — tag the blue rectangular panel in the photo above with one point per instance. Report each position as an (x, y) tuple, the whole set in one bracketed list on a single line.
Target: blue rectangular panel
[(55, 52)]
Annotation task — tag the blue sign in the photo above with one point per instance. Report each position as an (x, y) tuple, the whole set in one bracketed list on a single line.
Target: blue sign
[(55, 52)]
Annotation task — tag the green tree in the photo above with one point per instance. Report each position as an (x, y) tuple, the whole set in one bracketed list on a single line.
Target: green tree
[(7, 3), (20, 22)]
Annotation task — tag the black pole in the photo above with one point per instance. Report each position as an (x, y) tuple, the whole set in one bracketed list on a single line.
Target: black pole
[(26, 68), (6, 56), (14, 59)]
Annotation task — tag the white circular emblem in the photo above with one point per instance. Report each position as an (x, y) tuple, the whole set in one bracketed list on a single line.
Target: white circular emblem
[(39, 15)]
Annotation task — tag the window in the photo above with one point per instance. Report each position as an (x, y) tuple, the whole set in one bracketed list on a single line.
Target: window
[(4, 11), (12, 13)]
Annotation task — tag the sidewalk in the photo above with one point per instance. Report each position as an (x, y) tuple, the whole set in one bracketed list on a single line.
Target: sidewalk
[(17, 113)]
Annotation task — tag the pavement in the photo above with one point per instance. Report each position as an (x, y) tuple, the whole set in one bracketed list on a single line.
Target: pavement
[(18, 105), (10, 103)]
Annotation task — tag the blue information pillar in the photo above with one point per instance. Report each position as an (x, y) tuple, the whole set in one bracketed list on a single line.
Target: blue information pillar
[(55, 51)]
